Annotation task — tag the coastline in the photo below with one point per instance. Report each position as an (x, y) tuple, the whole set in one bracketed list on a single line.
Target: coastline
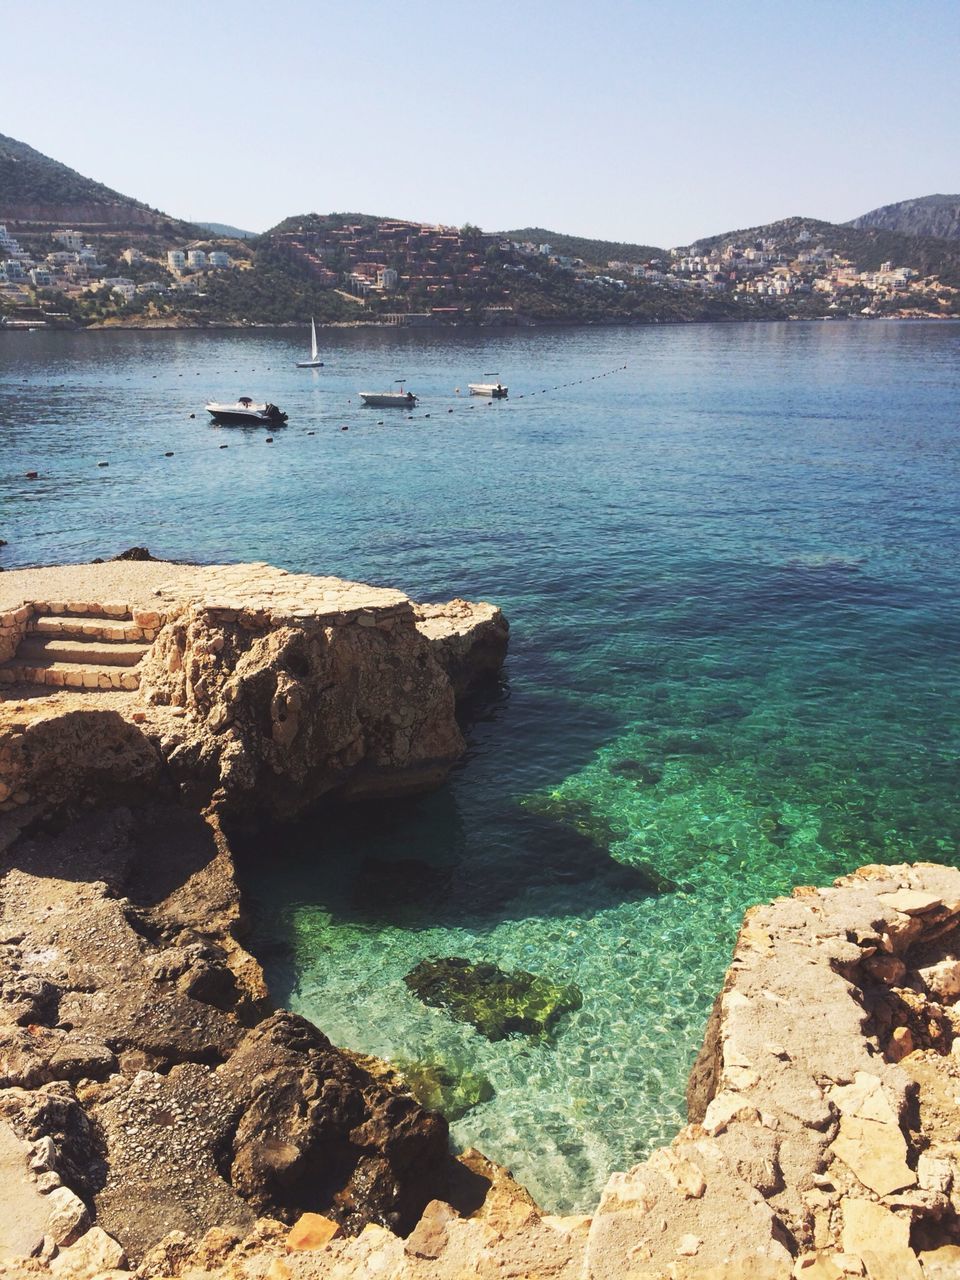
[(136, 1022)]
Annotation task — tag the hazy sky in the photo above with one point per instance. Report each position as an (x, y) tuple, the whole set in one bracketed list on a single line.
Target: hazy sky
[(652, 122)]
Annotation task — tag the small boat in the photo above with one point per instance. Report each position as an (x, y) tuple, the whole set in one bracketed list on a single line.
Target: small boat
[(313, 362), (389, 399), (495, 389), (246, 411)]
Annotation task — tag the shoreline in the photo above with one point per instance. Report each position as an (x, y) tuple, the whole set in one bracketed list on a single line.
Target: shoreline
[(130, 994), (466, 326)]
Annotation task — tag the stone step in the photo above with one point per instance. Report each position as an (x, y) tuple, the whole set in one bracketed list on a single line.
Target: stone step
[(90, 628), (85, 610), (68, 675), (39, 649)]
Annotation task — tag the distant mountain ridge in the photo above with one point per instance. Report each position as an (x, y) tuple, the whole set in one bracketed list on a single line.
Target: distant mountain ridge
[(225, 229), (937, 215), (37, 191)]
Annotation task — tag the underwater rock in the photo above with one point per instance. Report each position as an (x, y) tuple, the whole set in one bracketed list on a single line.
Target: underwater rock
[(439, 1088), (571, 843), (497, 1003), (649, 772), (724, 711)]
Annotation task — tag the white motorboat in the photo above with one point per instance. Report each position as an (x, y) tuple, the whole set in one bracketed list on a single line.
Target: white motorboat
[(245, 411), (495, 389), (314, 362), (389, 399)]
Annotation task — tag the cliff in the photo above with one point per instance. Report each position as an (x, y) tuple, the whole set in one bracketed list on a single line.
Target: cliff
[(924, 216)]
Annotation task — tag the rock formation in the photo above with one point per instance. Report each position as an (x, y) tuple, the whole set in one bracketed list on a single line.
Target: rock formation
[(258, 691), (159, 1119)]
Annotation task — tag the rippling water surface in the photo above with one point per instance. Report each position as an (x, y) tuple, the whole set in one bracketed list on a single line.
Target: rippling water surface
[(732, 571)]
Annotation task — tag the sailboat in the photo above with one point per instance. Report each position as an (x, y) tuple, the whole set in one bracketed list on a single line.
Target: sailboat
[(313, 362)]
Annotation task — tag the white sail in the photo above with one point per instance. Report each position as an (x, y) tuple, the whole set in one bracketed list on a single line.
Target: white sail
[(314, 352)]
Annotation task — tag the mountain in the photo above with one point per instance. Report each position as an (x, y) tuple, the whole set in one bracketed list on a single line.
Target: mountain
[(225, 229), (866, 247), (597, 252), (924, 216), (37, 192)]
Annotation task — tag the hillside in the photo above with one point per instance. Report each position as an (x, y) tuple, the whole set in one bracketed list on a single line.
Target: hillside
[(224, 229), (596, 252), (38, 192), (924, 216), (866, 247)]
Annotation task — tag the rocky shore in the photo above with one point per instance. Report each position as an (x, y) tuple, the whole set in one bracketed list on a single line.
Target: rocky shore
[(159, 1118)]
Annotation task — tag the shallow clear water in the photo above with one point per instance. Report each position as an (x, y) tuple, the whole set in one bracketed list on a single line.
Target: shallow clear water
[(732, 571)]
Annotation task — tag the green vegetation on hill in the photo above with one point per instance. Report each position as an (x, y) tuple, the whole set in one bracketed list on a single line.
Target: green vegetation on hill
[(325, 222), (29, 177), (596, 252), (272, 291)]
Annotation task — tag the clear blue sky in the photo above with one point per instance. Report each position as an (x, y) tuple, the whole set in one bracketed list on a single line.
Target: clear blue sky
[(654, 122)]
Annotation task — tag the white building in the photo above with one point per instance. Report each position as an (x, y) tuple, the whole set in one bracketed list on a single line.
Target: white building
[(196, 259), (132, 256), (125, 289), (40, 277), (69, 239), (14, 269), (387, 278), (176, 259), (218, 258)]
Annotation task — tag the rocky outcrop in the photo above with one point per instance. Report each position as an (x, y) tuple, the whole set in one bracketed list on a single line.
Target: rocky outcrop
[(142, 1075), (262, 691)]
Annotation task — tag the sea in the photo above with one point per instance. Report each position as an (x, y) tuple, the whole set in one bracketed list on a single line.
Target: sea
[(730, 558)]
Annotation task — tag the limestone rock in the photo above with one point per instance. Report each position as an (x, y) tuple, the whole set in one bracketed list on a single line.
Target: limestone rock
[(93, 1253), (68, 1216)]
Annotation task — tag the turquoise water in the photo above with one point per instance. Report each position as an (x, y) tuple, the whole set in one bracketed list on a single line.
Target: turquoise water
[(732, 571)]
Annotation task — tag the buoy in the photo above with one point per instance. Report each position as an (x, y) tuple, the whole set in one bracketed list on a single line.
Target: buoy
[(224, 446), (311, 433), (426, 415), (449, 411), (31, 475), (166, 455), (103, 464), (344, 428), (193, 415), (269, 440)]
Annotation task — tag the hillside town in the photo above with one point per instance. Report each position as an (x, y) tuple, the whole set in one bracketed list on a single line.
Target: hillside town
[(72, 269), (407, 273)]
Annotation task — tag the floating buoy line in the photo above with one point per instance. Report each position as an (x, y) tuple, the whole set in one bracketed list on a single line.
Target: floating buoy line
[(460, 406)]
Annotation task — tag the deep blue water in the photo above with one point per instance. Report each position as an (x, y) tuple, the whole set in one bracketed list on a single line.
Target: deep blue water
[(732, 571)]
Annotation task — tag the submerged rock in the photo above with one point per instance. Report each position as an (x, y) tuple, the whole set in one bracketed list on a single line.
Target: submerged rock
[(497, 1003), (649, 772), (439, 1088)]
